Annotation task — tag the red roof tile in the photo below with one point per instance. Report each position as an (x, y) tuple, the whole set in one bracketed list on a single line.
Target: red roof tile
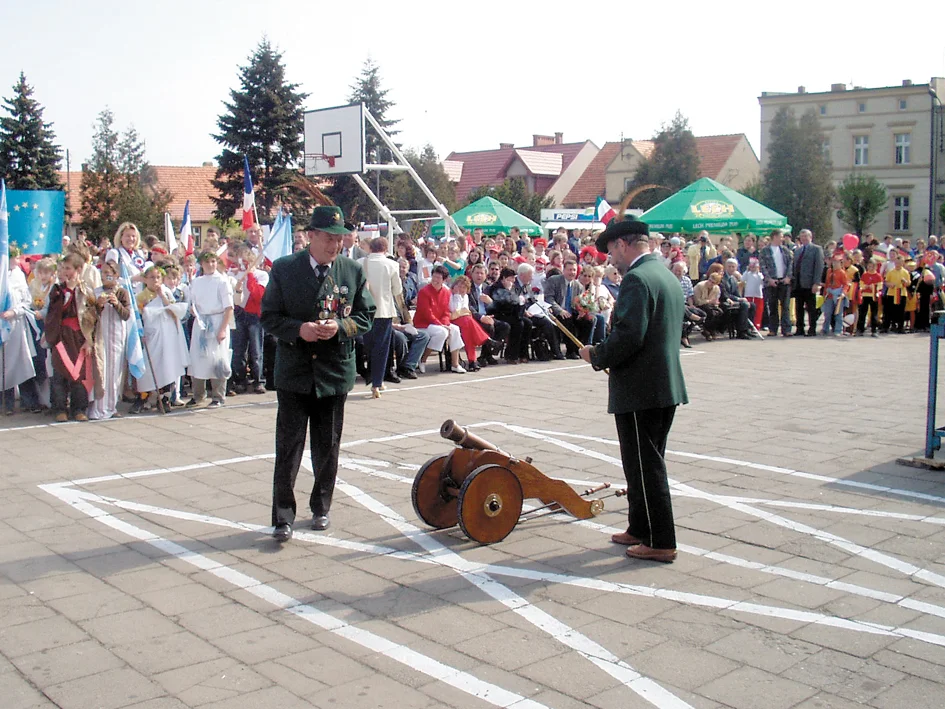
[(714, 152), (488, 167), (193, 183)]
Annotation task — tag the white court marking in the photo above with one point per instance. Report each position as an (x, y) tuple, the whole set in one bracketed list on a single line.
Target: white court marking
[(441, 555)]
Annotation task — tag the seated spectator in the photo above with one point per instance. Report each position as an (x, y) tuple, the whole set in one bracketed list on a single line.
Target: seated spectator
[(433, 317), (460, 314), (479, 304), (736, 307), (409, 281), (612, 279), (707, 296), (509, 307)]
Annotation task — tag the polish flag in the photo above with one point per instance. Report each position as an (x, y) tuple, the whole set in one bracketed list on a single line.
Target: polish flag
[(186, 230), (249, 198), (603, 212)]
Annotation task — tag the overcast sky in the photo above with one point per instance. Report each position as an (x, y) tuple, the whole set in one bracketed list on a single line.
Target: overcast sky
[(462, 79)]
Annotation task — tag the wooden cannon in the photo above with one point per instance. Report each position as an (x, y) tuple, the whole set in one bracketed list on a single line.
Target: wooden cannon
[(482, 488)]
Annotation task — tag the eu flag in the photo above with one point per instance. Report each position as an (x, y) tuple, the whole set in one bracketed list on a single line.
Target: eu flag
[(36, 218)]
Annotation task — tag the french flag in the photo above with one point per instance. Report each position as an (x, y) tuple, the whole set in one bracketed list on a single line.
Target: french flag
[(603, 212), (249, 198), (186, 229)]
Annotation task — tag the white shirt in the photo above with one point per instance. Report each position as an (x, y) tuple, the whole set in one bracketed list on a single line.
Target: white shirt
[(316, 264), (211, 294), (778, 261), (383, 280)]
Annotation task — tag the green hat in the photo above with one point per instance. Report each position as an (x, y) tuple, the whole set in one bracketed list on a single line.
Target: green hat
[(328, 219)]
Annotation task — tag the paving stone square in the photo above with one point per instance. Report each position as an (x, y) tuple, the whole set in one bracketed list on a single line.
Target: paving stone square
[(137, 567)]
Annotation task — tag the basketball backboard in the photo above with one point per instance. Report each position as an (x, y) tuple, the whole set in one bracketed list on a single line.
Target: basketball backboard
[(334, 140)]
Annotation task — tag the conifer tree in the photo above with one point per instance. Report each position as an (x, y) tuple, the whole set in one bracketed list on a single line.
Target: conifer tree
[(264, 122), (29, 156)]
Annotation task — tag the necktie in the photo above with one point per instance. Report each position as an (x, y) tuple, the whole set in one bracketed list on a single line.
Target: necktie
[(482, 308), (567, 299), (321, 270)]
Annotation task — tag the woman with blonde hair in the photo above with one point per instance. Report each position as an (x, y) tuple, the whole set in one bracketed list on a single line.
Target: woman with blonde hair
[(127, 252)]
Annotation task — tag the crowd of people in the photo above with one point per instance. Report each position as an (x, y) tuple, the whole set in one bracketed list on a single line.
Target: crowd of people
[(474, 301)]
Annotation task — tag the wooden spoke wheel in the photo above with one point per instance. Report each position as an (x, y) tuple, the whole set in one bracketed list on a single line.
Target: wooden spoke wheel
[(490, 503), (430, 501)]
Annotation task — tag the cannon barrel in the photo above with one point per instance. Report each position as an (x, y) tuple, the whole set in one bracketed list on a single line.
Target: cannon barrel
[(462, 437)]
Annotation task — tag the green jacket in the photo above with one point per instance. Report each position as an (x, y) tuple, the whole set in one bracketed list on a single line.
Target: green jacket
[(642, 350), (291, 299)]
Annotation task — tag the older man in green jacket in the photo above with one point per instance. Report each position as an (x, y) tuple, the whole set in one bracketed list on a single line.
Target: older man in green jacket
[(316, 304), (646, 383)]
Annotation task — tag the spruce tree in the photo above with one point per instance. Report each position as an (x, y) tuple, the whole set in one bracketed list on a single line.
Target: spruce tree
[(29, 156), (673, 164), (797, 180), (264, 122), (345, 193)]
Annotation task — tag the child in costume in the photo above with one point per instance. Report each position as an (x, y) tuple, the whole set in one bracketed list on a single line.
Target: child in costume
[(18, 349), (897, 281), (835, 286), (70, 324), (249, 286), (871, 284), (210, 355), (113, 306), (166, 356), (180, 294)]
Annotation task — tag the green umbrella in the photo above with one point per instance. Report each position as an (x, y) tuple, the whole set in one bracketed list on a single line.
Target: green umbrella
[(708, 205), (491, 216)]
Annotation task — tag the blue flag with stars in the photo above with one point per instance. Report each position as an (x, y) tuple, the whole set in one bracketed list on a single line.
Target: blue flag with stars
[(36, 218)]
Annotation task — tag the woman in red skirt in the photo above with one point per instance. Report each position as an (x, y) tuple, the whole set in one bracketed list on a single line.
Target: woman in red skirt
[(461, 316)]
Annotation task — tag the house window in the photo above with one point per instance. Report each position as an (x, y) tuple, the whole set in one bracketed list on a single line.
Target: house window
[(903, 148), (823, 109), (861, 150), (861, 107), (900, 214), (627, 184), (825, 146), (903, 104)]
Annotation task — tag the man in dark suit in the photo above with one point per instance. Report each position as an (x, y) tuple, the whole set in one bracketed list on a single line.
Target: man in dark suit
[(479, 304), (560, 292), (316, 304), (646, 383), (350, 248), (527, 292), (808, 271), (776, 261)]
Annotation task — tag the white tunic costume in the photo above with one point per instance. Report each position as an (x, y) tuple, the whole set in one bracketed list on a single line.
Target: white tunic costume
[(111, 333), (164, 343), (17, 354), (210, 297)]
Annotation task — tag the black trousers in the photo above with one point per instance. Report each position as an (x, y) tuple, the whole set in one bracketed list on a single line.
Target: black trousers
[(805, 301), (324, 418), (578, 327), (871, 306), (519, 331), (642, 436), (777, 298)]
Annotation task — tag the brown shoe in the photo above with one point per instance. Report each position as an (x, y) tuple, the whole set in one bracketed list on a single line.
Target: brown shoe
[(81, 417), (626, 539), (642, 551), (61, 418)]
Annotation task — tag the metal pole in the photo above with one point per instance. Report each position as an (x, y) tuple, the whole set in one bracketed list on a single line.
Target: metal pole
[(931, 435)]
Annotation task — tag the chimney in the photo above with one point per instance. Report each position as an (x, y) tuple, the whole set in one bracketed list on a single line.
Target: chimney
[(802, 89), (503, 146), (539, 140), (207, 163), (559, 138), (907, 82), (838, 87)]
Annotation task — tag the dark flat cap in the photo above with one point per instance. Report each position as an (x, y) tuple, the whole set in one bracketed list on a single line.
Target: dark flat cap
[(615, 230)]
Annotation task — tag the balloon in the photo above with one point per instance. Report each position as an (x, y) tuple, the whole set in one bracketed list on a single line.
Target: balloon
[(929, 277), (850, 241), (849, 319)]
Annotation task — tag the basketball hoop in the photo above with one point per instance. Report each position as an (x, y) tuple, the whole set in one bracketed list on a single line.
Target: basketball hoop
[(330, 159)]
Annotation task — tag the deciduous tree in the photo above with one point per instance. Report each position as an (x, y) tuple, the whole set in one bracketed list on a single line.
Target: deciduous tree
[(862, 198), (673, 164), (513, 193)]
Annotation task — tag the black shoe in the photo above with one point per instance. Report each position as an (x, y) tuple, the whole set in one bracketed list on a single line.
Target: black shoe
[(473, 367), (573, 355), (391, 376), (259, 389), (742, 336), (241, 388), (137, 407), (490, 360), (406, 374), (282, 532), (320, 522), (558, 356)]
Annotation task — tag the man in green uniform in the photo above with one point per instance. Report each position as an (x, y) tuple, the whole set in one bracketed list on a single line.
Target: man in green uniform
[(646, 383), (316, 304)]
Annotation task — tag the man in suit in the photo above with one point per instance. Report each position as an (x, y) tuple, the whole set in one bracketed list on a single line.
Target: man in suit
[(560, 292), (645, 383), (776, 261), (479, 304), (316, 304), (350, 248), (808, 271), (528, 293)]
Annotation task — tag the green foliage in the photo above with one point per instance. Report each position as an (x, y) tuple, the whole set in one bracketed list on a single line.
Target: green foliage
[(797, 179), (404, 193), (674, 163), (29, 156), (345, 192), (232, 228), (264, 122), (862, 198), (755, 190), (118, 184), (513, 193)]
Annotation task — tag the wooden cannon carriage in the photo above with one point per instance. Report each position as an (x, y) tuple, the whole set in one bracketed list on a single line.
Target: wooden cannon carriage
[(482, 488)]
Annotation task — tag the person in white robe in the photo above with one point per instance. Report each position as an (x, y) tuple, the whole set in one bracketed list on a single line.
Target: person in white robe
[(166, 356), (211, 297), (111, 333), (17, 352)]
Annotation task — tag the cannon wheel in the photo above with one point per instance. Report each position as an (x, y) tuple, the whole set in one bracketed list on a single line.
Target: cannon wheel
[(490, 503), (426, 495)]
